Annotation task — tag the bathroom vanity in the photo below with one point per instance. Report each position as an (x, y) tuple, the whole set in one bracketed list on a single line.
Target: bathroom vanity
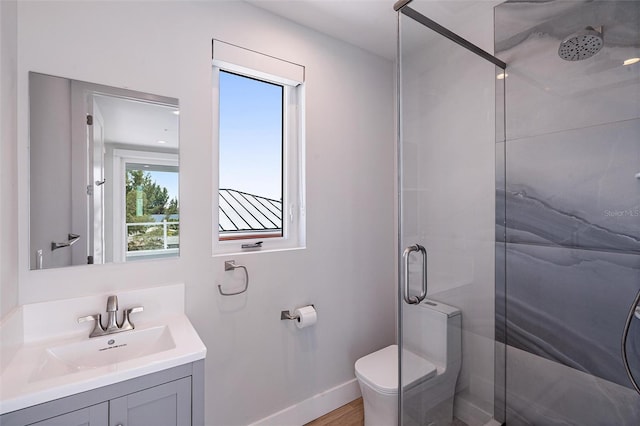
[(172, 397), (58, 375)]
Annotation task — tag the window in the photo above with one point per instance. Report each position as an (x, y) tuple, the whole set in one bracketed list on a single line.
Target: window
[(259, 156), (250, 158)]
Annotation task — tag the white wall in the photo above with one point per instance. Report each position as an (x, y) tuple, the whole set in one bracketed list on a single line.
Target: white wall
[(256, 364), (8, 170)]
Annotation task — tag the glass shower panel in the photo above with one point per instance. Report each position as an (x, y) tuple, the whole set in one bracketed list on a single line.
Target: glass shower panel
[(572, 212), (447, 182)]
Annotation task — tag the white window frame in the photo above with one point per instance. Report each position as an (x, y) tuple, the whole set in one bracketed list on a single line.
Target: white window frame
[(266, 68)]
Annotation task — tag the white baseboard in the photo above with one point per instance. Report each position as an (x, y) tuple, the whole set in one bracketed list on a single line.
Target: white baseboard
[(314, 407)]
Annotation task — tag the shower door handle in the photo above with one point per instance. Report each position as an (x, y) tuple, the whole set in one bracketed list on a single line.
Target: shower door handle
[(414, 300)]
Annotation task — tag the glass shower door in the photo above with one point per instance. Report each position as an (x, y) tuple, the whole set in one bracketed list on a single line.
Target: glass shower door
[(447, 186)]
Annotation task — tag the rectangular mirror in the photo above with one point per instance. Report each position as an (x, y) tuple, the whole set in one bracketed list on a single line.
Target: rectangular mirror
[(104, 174)]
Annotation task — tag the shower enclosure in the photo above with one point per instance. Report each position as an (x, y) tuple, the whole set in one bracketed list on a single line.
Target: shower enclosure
[(523, 186)]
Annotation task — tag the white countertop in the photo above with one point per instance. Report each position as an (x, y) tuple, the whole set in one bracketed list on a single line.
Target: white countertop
[(20, 384)]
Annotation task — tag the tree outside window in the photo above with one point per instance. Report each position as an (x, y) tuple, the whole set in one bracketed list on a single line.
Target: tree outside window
[(152, 215)]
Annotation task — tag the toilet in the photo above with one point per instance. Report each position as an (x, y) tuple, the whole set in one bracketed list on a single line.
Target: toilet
[(432, 356)]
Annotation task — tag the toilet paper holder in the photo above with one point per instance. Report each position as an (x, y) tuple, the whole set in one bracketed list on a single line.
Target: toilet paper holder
[(286, 315)]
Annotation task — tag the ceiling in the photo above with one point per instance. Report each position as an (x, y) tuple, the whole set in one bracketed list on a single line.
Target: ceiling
[(371, 24), (133, 122)]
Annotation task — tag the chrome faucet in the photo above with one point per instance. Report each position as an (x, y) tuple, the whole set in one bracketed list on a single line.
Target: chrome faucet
[(112, 322)]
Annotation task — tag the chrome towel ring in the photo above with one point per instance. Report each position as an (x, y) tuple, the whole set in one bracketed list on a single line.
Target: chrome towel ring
[(230, 265)]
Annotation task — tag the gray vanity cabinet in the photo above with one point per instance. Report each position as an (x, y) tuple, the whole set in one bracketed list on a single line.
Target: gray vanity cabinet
[(164, 405), (96, 415), (173, 397)]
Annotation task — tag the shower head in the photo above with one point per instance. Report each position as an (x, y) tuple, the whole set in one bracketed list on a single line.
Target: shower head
[(581, 45)]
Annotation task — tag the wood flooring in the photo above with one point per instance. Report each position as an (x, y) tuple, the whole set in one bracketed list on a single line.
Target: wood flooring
[(352, 414)]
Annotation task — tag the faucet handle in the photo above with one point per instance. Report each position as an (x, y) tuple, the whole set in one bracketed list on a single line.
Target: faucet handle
[(126, 323), (96, 317), (97, 328)]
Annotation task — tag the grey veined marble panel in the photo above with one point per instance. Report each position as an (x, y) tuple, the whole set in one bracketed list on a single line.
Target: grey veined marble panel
[(570, 306), (545, 393), (545, 93), (575, 188)]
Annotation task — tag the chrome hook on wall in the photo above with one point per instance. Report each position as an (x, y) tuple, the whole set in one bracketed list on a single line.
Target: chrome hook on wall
[(230, 265)]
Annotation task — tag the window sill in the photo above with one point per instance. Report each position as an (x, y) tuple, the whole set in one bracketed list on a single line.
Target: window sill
[(241, 252)]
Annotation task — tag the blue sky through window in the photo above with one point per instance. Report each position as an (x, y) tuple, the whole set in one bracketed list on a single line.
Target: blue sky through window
[(250, 136), (167, 180)]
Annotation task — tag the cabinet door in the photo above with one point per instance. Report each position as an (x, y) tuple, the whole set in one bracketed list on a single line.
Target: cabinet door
[(165, 405), (96, 415)]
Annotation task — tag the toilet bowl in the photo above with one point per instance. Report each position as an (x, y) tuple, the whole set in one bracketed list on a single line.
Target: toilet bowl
[(431, 359)]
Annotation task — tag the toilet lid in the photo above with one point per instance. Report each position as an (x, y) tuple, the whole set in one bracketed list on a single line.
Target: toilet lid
[(380, 369)]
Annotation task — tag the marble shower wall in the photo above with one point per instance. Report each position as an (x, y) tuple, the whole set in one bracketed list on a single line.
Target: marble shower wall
[(576, 188), (571, 205)]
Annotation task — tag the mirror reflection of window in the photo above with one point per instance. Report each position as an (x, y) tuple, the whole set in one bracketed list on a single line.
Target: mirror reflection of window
[(82, 138), (151, 211)]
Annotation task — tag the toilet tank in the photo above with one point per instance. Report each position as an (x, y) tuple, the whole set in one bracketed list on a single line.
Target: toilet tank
[(433, 330)]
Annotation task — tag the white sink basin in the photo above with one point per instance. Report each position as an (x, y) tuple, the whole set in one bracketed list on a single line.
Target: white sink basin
[(103, 351), (54, 359)]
